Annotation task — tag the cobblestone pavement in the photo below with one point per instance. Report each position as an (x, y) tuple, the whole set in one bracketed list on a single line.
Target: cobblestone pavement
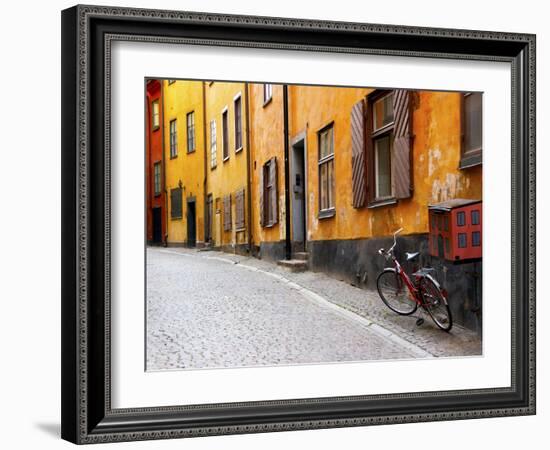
[(209, 309)]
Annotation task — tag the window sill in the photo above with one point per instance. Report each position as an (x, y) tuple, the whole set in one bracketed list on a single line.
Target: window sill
[(176, 218), (327, 213), (173, 157), (226, 159), (382, 202), (267, 102), (190, 151), (156, 128), (238, 150), (213, 167), (470, 161)]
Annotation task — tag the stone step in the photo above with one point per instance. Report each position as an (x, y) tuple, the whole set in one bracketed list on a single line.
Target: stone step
[(295, 265), (302, 256)]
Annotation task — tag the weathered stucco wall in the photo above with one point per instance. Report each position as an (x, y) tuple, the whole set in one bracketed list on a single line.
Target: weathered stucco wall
[(180, 98), (266, 141), (435, 162), (230, 175)]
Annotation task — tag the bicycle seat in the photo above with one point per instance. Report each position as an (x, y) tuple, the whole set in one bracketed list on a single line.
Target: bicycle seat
[(411, 256)]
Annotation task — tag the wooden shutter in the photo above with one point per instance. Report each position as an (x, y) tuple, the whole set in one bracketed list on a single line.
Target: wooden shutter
[(239, 207), (358, 159), (274, 197), (402, 143), (227, 213), (261, 194)]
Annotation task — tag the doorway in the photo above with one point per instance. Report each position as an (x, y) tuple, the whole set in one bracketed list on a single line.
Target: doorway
[(298, 196), (157, 225), (191, 223), (208, 219)]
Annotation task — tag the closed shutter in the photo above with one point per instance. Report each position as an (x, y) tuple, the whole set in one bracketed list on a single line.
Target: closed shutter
[(358, 159), (239, 207), (274, 197), (402, 143), (176, 203), (227, 213), (261, 194)]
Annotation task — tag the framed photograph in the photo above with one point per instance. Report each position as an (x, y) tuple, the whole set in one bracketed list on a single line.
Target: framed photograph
[(278, 224)]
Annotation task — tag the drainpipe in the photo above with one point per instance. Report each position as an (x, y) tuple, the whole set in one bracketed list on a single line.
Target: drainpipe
[(163, 166), (205, 196), (248, 170), (288, 244)]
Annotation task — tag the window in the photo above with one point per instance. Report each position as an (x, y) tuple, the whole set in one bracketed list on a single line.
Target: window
[(326, 172), (476, 239), (155, 118), (268, 194), (471, 130), (176, 203), (461, 218), (475, 217), (191, 132), (225, 137), (462, 240), (238, 125), (157, 178), (382, 135), (388, 146), (268, 93), (173, 139), (213, 145)]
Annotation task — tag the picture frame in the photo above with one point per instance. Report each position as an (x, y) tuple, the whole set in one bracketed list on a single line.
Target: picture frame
[(87, 35)]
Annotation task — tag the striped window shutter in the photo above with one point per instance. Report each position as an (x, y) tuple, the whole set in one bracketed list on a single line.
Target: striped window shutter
[(261, 194), (227, 213), (358, 158), (402, 143), (274, 196), (239, 207)]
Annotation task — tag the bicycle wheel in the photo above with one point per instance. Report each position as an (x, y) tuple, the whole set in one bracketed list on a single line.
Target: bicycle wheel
[(394, 293), (436, 304)]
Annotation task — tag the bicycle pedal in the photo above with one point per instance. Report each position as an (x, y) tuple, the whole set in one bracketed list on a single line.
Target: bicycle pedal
[(419, 322)]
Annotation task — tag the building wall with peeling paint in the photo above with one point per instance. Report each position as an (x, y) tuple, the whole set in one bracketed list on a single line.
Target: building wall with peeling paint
[(187, 168), (229, 175), (435, 162), (266, 142)]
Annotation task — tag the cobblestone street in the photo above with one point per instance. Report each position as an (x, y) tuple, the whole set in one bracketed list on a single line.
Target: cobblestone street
[(208, 309)]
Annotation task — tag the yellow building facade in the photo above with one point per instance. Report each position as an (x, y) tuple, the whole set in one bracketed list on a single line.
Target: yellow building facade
[(184, 159), (227, 165)]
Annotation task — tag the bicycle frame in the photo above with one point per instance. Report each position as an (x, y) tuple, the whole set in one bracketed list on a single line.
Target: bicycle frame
[(399, 270)]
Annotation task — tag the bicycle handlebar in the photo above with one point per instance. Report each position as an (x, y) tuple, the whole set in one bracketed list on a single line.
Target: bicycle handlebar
[(388, 253)]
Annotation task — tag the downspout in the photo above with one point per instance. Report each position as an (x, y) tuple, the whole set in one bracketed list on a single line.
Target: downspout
[(205, 193), (288, 244), (248, 171), (163, 165)]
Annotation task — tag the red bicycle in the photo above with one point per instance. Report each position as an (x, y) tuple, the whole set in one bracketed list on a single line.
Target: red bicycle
[(403, 294)]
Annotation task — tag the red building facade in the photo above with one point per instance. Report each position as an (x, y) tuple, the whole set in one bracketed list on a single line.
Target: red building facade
[(154, 165)]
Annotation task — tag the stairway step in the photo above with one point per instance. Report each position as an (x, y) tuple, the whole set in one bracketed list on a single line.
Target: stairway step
[(302, 256), (295, 265)]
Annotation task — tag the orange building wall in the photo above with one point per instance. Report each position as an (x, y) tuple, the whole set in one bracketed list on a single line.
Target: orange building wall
[(436, 155), (266, 141)]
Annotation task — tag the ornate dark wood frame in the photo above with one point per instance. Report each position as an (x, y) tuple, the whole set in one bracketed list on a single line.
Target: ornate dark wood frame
[(87, 33)]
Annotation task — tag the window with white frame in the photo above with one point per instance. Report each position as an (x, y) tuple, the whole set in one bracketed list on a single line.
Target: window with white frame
[(213, 145), (326, 171), (173, 139), (191, 132)]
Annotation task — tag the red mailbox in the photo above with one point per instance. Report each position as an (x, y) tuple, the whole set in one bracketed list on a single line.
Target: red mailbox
[(455, 229)]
